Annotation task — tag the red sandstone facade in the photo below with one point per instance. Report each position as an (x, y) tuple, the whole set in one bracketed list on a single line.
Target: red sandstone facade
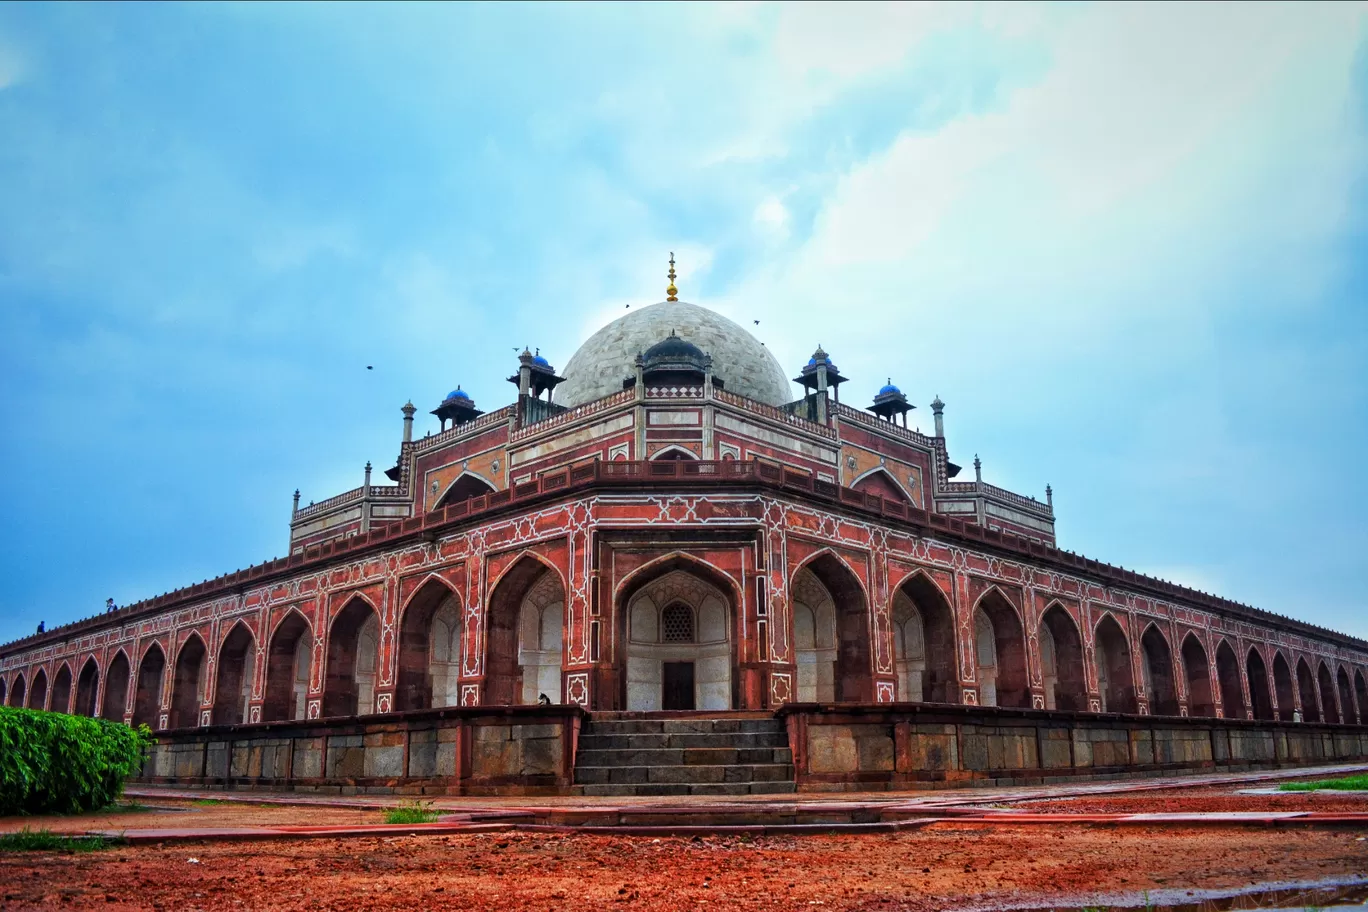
[(678, 544)]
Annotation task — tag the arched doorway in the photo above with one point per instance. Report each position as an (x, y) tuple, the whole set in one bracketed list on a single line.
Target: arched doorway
[(1306, 688), (18, 690), (233, 684), (924, 648), (1000, 652), (1115, 684), (1346, 697), (288, 665), (1282, 686), (1329, 708), (1197, 669), (353, 649), (187, 688), (1228, 677), (1260, 700), (88, 689), (1361, 691), (147, 696), (429, 649), (60, 701), (814, 639), (1061, 661), (679, 616), (464, 488), (37, 697), (1158, 669), (523, 641), (116, 688)]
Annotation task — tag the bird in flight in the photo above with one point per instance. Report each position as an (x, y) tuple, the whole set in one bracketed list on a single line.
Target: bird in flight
[(756, 322), (370, 367)]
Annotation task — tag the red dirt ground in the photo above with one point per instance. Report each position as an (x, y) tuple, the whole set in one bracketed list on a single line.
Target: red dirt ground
[(1199, 800), (941, 867)]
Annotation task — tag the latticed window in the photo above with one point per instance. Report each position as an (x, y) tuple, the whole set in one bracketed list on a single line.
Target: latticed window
[(677, 624)]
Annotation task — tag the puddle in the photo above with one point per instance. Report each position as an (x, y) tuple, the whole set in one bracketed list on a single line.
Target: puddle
[(1321, 896)]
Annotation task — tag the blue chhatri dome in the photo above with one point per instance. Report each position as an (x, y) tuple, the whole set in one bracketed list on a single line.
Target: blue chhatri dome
[(812, 362), (458, 393), (890, 389), (539, 360)]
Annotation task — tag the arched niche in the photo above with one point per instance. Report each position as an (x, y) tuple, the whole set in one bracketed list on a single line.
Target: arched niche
[(37, 695), (1157, 665), (116, 688), (1329, 705), (1260, 698), (1228, 678), (466, 487), (88, 689), (814, 639), (1345, 690), (924, 645), (353, 654), (188, 683), (18, 691), (4, 692), (1306, 689), (147, 692), (1115, 683), (1284, 688), (236, 670), (429, 668), (880, 482), (522, 618), (289, 664), (1000, 652), (60, 700), (679, 649), (1061, 661), (1197, 670), (1361, 692)]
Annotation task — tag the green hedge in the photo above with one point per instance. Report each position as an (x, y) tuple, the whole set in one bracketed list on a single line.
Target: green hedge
[(52, 763)]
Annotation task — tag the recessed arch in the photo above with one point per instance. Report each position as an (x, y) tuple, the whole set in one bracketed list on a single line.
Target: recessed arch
[(289, 665), (18, 690), (430, 638), (853, 673), (1345, 691), (1000, 651), (187, 688), (1283, 688), (1306, 689), (4, 691), (88, 689), (814, 638), (504, 622), (1228, 679), (236, 669), (1329, 705), (1115, 682), (1157, 666), (1197, 670), (1260, 698), (60, 698), (882, 482), (37, 695), (1061, 660), (353, 657), (1361, 692), (463, 487), (674, 453), (925, 646), (116, 688), (147, 692)]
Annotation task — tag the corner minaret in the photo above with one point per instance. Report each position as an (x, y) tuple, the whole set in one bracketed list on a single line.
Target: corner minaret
[(938, 410)]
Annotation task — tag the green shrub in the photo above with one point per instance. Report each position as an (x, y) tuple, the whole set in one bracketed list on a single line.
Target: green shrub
[(27, 840), (52, 763), (412, 812)]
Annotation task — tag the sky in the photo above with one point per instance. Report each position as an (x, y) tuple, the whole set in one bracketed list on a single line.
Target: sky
[(1124, 243)]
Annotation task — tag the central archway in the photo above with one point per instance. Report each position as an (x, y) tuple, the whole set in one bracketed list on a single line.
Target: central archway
[(679, 644), (1061, 661), (1158, 669), (924, 646)]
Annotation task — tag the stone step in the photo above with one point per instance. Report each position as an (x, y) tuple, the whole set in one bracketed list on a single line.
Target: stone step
[(683, 726), (658, 741), (706, 788), (696, 756), (683, 775)]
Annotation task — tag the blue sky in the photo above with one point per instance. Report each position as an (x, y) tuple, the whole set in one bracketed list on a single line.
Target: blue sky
[(1125, 244)]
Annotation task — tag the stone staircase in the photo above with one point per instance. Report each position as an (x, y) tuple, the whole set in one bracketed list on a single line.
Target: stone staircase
[(684, 754)]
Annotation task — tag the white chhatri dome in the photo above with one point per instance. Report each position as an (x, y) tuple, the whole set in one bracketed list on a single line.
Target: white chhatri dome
[(609, 356)]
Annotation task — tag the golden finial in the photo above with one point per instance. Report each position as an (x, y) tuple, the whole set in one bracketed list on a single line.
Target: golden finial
[(671, 292)]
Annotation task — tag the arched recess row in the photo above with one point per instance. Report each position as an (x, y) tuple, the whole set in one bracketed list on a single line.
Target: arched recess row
[(1000, 652), (18, 690), (430, 640), (60, 698), (1306, 689), (147, 693), (353, 660), (88, 689), (1197, 672), (188, 685), (1345, 691), (116, 688), (1228, 679), (1115, 684), (1061, 661), (1260, 696), (37, 696), (1361, 692), (289, 664), (924, 643), (235, 672), (1329, 704), (1157, 667), (1283, 687)]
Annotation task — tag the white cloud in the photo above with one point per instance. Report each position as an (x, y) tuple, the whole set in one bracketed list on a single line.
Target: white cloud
[(771, 218)]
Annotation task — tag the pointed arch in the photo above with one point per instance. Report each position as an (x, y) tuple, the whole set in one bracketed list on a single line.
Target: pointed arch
[(814, 638), (289, 663), (1329, 705), (1157, 666), (429, 665), (1283, 688), (1345, 692), (353, 652), (1000, 637), (463, 487), (882, 482), (147, 693), (4, 691), (1361, 692), (236, 668), (37, 695), (1260, 698), (504, 683), (854, 669), (18, 690), (674, 453), (88, 689), (1306, 689), (60, 698), (1112, 652), (1228, 679), (116, 688), (187, 688), (1061, 660), (1197, 671)]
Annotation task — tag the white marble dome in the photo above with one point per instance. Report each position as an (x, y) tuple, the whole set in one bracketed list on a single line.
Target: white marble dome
[(608, 357)]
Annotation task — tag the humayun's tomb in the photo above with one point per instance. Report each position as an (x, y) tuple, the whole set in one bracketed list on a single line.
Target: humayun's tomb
[(658, 571)]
